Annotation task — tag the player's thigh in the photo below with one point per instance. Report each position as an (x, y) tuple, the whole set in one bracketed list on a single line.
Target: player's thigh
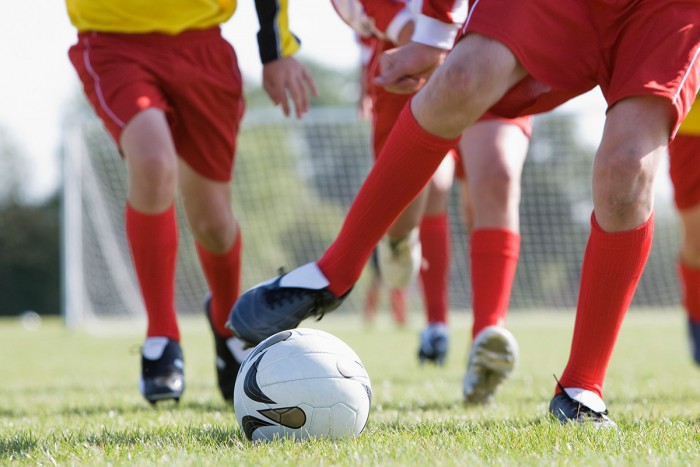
[(147, 144), (634, 142), (635, 127), (151, 161)]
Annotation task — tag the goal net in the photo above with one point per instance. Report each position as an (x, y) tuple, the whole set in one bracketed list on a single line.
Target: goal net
[(293, 183)]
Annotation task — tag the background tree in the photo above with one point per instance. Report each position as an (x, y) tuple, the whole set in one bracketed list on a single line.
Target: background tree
[(29, 247)]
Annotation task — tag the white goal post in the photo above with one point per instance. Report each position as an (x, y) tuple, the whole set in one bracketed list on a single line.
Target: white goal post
[(294, 180)]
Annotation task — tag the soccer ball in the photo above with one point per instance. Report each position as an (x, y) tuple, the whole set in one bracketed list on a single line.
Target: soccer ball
[(302, 384)]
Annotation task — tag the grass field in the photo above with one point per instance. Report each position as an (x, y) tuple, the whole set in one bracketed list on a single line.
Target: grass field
[(71, 398)]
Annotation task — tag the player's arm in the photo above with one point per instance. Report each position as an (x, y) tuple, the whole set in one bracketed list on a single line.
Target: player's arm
[(284, 77), (406, 68)]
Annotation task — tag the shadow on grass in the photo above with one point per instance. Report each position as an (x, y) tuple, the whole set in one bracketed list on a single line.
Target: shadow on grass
[(25, 445), (17, 445)]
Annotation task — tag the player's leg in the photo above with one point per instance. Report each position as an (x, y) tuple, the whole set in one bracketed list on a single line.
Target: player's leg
[(218, 242), (151, 163), (151, 230), (435, 270), (685, 175), (494, 153), (399, 254), (475, 75), (634, 140), (205, 89), (133, 109), (398, 299), (654, 79)]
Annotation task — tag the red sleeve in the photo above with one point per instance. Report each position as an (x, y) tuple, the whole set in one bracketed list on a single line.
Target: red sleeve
[(382, 12), (446, 11)]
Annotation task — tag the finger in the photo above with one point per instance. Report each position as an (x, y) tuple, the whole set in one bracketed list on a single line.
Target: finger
[(278, 97), (299, 95), (406, 85), (310, 83), (390, 70), (285, 106)]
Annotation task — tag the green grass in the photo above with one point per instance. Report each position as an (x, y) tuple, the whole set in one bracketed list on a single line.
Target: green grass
[(71, 398)]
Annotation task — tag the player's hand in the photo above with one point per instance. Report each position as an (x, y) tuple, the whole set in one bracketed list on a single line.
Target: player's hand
[(405, 69), (285, 79)]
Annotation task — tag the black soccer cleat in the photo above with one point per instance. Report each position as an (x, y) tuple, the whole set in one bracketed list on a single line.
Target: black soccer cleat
[(230, 353), (162, 370), (575, 405), (282, 303)]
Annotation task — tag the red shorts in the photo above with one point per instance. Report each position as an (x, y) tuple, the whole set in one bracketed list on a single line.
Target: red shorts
[(628, 47), (684, 152), (193, 77)]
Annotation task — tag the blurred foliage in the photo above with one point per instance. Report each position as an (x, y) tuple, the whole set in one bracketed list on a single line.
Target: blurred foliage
[(12, 169), (29, 247)]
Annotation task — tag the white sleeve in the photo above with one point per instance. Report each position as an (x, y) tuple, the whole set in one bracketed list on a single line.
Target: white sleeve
[(431, 31), (397, 24), (438, 21)]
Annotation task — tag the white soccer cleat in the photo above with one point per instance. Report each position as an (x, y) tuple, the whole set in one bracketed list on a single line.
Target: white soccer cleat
[(399, 260), (493, 356)]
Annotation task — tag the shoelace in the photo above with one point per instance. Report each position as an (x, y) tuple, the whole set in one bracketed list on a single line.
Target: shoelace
[(278, 296)]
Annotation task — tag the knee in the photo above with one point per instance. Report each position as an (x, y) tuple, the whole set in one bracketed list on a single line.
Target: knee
[(496, 188), (459, 82), (623, 180), (215, 233), (690, 252), (153, 170)]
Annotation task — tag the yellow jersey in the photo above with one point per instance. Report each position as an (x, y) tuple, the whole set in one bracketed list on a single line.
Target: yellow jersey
[(691, 124), (275, 40)]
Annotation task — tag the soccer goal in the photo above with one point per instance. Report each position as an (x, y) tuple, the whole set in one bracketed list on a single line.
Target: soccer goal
[(293, 183)]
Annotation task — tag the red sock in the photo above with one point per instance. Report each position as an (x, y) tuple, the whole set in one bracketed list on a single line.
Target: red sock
[(409, 158), (223, 273), (398, 305), (612, 266), (435, 243), (153, 242), (690, 290), (494, 257)]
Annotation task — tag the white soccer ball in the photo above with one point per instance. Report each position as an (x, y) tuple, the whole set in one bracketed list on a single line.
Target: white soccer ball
[(302, 384)]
